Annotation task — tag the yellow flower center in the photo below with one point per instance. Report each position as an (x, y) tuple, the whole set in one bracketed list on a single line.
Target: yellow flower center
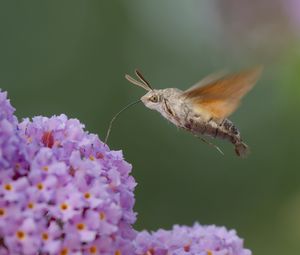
[(102, 215), (45, 236), (80, 226), (118, 252), (30, 205), (64, 206), (93, 249), (87, 195), (40, 186), (20, 235), (92, 157), (2, 212), (8, 187), (45, 168), (64, 251), (209, 252)]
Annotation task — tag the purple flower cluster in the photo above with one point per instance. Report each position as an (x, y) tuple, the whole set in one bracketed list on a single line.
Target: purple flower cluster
[(67, 193), (9, 139), (182, 240), (63, 192)]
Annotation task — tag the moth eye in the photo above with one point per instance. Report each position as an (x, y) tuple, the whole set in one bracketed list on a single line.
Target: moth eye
[(154, 99)]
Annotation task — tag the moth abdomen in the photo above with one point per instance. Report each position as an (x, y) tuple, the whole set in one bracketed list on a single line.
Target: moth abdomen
[(226, 130)]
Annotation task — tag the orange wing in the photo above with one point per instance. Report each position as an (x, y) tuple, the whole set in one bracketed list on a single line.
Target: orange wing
[(221, 97)]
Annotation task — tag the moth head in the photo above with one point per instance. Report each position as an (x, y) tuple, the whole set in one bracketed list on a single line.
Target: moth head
[(152, 99)]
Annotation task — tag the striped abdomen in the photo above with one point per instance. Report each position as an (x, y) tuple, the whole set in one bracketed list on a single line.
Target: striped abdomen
[(225, 130)]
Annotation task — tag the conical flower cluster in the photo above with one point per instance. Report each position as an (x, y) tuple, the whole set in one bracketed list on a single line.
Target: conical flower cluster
[(63, 192)]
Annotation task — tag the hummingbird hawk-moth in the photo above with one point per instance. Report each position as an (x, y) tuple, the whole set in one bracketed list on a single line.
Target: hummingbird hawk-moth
[(202, 109)]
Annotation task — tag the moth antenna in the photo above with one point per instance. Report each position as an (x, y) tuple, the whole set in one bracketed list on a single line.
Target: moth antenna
[(211, 144), (116, 115), (138, 83), (142, 78)]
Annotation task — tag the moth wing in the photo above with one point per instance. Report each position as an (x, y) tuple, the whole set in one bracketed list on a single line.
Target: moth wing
[(221, 97), (207, 80)]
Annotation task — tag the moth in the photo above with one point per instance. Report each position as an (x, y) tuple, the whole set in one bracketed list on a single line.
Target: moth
[(203, 109)]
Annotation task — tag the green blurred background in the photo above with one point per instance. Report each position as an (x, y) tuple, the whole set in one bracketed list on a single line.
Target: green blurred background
[(71, 56)]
